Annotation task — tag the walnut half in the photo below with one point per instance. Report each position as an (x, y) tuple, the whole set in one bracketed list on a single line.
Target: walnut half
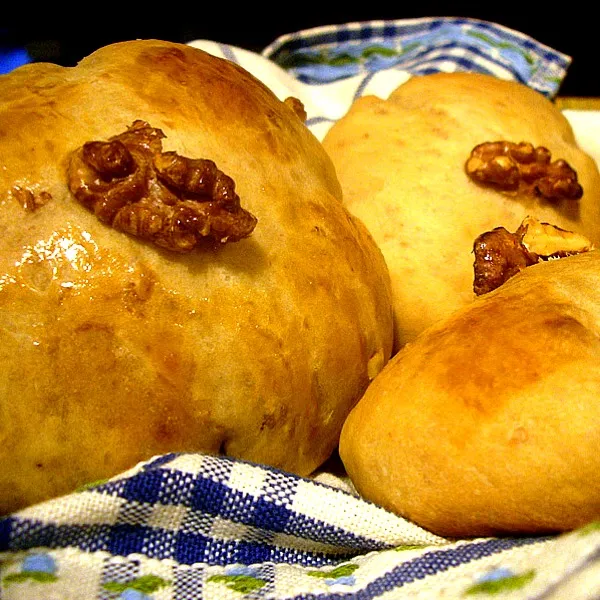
[(167, 199), (523, 168), (499, 254)]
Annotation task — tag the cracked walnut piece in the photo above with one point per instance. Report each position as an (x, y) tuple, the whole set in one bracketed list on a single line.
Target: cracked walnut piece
[(170, 200), (499, 254), (522, 167)]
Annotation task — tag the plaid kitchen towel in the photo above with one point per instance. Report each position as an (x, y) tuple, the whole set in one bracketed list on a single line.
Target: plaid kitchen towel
[(419, 46), (329, 67), (193, 526)]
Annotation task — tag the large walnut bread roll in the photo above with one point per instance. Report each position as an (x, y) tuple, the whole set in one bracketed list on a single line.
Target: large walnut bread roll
[(489, 421), (177, 272), (402, 164)]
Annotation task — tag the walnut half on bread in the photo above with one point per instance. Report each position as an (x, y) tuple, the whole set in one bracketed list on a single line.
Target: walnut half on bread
[(171, 200), (522, 168), (177, 273)]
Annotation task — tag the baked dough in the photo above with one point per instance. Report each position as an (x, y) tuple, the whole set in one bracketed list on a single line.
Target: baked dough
[(488, 422), (115, 348), (401, 164)]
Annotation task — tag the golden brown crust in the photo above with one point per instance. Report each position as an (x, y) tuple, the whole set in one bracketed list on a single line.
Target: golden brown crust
[(487, 423), (113, 349), (401, 163)]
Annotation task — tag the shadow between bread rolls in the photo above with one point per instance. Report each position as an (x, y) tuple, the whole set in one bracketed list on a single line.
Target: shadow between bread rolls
[(487, 423), (177, 273)]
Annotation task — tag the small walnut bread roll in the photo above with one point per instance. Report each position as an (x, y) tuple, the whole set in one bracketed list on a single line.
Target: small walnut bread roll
[(445, 158), (489, 421), (177, 272)]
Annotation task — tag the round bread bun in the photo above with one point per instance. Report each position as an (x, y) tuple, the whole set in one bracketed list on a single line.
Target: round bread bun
[(127, 332), (401, 163), (488, 423)]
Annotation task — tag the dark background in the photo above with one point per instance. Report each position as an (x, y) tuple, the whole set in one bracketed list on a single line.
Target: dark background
[(65, 39)]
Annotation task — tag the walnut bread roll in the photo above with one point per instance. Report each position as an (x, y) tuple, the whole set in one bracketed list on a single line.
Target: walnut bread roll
[(488, 423), (177, 273), (446, 157)]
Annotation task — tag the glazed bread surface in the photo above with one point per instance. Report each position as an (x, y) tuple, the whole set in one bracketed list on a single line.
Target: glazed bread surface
[(118, 340)]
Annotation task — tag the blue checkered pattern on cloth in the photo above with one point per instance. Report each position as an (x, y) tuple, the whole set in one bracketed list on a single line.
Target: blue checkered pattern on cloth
[(329, 67), (419, 46), (192, 526)]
